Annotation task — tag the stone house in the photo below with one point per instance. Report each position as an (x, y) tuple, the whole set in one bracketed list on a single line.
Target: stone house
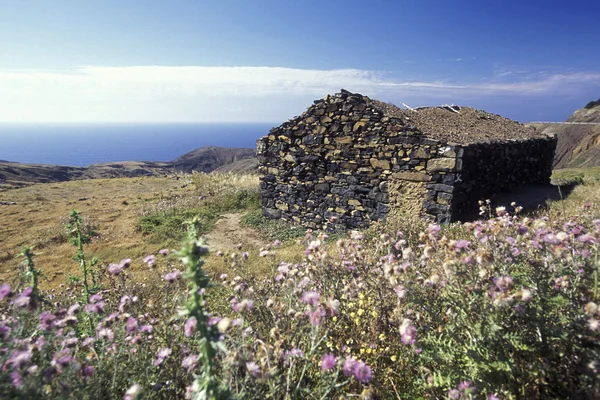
[(348, 160)]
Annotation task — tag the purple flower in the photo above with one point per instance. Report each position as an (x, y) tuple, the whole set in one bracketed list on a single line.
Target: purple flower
[(88, 371), (163, 252), (190, 362), (125, 263), (190, 326), (328, 362), (17, 379), (150, 260), (173, 276), (316, 316), (493, 397), (363, 373), (461, 244), (5, 291), (453, 394), (115, 269), (133, 392), (311, 298), (131, 325), (253, 369), (94, 308), (162, 354), (19, 358), (146, 328), (409, 336), (295, 352), (348, 366), (586, 238), (23, 298), (106, 333), (47, 320), (73, 309), (277, 243)]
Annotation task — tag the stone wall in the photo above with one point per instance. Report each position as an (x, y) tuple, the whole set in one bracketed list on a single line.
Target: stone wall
[(489, 168), (344, 163)]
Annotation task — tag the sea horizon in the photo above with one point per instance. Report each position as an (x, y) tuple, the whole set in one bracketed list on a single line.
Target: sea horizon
[(83, 144)]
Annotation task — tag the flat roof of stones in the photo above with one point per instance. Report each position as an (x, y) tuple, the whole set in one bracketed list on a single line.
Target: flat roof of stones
[(463, 125)]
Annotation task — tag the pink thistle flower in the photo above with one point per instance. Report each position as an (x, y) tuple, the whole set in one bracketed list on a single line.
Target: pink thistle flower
[(293, 353), (162, 354), (409, 336), (253, 369), (131, 325), (363, 373), (245, 255), (88, 371), (125, 263), (190, 326), (263, 253), (133, 392), (115, 269), (16, 379), (106, 333), (277, 243), (190, 362), (5, 291), (348, 366), (587, 239), (328, 362), (146, 328), (593, 324), (47, 320), (311, 298), (23, 299), (453, 394), (163, 252), (173, 276), (150, 260), (316, 316)]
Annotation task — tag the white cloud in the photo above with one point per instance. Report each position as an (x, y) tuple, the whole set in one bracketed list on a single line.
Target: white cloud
[(185, 94)]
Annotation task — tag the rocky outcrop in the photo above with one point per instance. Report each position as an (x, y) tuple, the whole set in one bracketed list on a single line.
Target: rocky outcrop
[(348, 161), (209, 158)]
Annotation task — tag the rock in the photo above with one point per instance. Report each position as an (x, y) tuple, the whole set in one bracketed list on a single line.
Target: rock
[(441, 164)]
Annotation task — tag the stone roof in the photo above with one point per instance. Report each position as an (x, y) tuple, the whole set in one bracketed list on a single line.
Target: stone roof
[(458, 124)]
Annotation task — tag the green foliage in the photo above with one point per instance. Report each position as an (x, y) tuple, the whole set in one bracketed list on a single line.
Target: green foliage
[(592, 104), (273, 229)]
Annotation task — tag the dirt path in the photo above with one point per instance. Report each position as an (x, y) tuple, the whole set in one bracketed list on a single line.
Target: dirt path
[(229, 231)]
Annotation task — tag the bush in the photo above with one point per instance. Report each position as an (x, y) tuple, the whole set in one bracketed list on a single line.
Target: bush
[(592, 104)]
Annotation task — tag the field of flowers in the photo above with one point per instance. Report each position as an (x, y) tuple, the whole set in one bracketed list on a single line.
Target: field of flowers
[(502, 308)]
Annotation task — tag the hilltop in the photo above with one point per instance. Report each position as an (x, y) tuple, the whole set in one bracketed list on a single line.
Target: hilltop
[(578, 145), (204, 159)]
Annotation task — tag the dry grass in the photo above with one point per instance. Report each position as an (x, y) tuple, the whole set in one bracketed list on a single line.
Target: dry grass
[(111, 205)]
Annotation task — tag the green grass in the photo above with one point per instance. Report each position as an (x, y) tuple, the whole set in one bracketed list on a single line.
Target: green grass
[(273, 229), (167, 226)]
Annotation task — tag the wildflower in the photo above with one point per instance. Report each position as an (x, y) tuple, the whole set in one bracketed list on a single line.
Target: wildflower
[(88, 371), (593, 324), (88, 341), (73, 309), (173, 276), (16, 379), (460, 245), (316, 316), (131, 325), (453, 394), (591, 308), (223, 277), (5, 291), (190, 362), (493, 397), (47, 320), (106, 333), (190, 326), (23, 299), (263, 253), (295, 352), (163, 252), (586, 238), (311, 298), (19, 358), (224, 324), (219, 253), (466, 388), (125, 263), (363, 373), (133, 392), (348, 366), (115, 269), (328, 362), (253, 369), (277, 243), (245, 255), (162, 354), (94, 308), (146, 328), (408, 332), (150, 260)]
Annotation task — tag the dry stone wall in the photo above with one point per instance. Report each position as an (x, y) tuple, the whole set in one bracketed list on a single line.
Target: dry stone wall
[(344, 163)]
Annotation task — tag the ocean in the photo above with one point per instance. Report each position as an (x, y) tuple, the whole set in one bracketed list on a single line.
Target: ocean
[(86, 144)]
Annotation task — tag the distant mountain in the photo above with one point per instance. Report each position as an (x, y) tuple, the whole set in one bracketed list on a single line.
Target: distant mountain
[(209, 158), (578, 145), (204, 159)]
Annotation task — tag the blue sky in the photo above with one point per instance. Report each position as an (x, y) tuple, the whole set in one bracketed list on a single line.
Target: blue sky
[(266, 60)]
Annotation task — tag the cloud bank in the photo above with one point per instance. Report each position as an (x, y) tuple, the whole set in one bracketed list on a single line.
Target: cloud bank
[(235, 94)]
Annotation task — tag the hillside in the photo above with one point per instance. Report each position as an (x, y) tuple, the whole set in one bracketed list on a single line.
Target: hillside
[(578, 145), (205, 159)]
